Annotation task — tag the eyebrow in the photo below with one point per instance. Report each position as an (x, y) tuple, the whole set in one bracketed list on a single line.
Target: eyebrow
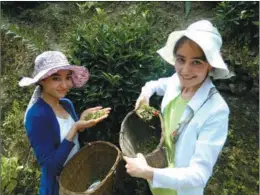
[(194, 58), (57, 74)]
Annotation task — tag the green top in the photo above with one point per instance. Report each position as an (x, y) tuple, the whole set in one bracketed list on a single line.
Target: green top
[(171, 117)]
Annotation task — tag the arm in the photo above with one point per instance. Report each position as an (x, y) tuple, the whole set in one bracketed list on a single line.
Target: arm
[(159, 87), (151, 87), (41, 137), (208, 146)]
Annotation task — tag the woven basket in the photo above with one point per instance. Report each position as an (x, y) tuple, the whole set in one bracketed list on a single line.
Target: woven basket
[(97, 160), (134, 131)]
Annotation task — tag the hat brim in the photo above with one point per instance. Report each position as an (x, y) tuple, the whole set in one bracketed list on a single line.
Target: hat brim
[(80, 75), (220, 70)]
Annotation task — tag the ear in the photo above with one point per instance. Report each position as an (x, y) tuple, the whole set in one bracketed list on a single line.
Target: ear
[(41, 82), (210, 68)]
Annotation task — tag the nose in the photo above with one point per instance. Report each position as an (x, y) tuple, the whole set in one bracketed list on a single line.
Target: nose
[(64, 84), (185, 68)]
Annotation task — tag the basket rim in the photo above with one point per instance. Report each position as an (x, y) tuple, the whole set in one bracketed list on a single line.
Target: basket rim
[(110, 172), (161, 138)]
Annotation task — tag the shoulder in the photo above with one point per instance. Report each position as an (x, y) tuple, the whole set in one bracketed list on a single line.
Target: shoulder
[(39, 109), (67, 103), (215, 110), (40, 112), (219, 103)]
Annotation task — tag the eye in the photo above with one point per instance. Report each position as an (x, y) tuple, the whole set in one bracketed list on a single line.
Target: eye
[(55, 78), (69, 77), (180, 60), (196, 62)]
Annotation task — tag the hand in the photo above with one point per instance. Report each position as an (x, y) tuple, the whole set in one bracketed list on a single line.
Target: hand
[(138, 167), (140, 101), (92, 110), (81, 125)]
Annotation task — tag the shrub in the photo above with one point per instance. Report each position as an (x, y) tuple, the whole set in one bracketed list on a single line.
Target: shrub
[(238, 22), (120, 55), (20, 172)]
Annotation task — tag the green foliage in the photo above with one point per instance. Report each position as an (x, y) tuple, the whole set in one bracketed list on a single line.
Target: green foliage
[(117, 43), (16, 60), (237, 169), (238, 22), (13, 128), (9, 172), (25, 36), (118, 54), (17, 149)]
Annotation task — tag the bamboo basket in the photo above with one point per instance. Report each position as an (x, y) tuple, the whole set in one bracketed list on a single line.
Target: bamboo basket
[(134, 131), (97, 160)]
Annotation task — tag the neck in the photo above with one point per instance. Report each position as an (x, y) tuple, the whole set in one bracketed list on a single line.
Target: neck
[(188, 92), (52, 101)]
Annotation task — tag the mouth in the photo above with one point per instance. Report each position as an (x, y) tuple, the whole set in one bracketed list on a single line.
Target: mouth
[(187, 77), (62, 91)]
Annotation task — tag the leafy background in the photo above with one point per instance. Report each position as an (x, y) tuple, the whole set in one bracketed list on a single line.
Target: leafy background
[(117, 42)]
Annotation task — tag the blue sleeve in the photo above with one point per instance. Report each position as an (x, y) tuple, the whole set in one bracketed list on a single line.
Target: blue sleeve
[(41, 137)]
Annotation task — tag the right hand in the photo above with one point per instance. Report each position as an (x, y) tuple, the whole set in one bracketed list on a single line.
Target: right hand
[(81, 124), (141, 100)]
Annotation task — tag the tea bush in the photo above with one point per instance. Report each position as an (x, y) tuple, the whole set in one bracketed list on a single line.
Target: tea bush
[(121, 57), (238, 23), (20, 173)]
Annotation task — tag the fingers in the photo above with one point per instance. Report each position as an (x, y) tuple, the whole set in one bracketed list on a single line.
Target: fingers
[(139, 155), (141, 100), (95, 108), (137, 105), (126, 158), (106, 110)]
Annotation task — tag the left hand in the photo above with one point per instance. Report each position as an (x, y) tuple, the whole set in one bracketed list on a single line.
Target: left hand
[(138, 167)]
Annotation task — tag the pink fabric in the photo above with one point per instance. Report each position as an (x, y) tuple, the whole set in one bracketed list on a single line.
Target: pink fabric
[(80, 74)]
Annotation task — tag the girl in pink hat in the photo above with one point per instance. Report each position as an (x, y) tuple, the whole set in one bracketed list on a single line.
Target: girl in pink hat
[(51, 122), (195, 114)]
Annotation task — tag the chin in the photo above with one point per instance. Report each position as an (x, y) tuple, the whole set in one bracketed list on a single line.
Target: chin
[(60, 96)]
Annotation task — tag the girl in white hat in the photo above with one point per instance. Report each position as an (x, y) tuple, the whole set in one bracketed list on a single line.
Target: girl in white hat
[(195, 114), (51, 123)]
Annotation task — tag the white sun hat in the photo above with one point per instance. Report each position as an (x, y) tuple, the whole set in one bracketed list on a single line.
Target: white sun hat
[(208, 38)]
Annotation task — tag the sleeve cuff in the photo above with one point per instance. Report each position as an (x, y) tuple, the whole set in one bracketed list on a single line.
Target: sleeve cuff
[(162, 178), (67, 145)]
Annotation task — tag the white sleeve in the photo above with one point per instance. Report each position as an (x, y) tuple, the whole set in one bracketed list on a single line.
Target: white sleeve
[(208, 146), (159, 87)]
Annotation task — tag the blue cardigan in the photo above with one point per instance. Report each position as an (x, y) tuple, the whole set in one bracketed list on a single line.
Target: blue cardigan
[(43, 132)]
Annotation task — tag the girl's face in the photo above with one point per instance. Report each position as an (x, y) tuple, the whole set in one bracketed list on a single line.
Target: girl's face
[(58, 84), (190, 66)]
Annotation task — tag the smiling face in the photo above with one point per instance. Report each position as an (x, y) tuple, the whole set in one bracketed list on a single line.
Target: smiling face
[(191, 65), (57, 85)]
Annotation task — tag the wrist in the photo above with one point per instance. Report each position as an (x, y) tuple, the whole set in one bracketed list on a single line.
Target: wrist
[(148, 173), (74, 128)]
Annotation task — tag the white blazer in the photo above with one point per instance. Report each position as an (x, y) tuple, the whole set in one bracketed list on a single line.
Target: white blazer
[(199, 143)]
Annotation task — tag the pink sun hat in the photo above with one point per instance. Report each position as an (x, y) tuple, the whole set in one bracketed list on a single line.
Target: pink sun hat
[(50, 62)]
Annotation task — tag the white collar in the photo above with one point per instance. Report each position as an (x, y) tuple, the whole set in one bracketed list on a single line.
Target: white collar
[(200, 95)]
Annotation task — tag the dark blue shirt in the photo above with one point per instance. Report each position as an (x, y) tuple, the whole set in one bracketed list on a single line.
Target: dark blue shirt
[(43, 132)]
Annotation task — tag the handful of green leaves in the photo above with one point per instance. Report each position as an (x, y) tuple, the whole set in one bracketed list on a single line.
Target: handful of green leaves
[(95, 115), (146, 112)]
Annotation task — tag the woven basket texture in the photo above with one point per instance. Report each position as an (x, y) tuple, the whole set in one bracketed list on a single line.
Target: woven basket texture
[(95, 161)]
